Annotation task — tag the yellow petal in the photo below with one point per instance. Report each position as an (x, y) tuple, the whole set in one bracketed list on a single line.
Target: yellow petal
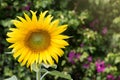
[(58, 51), (23, 55), (54, 56), (44, 58), (40, 57), (48, 20), (33, 60), (53, 26), (17, 23), (57, 45), (27, 17), (49, 59), (59, 30), (60, 37), (12, 29), (37, 57), (41, 16), (34, 18), (22, 19), (26, 58), (17, 53), (30, 59), (11, 40), (60, 42)]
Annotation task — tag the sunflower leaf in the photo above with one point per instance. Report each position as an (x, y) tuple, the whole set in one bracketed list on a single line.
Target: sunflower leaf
[(61, 74), (47, 66), (35, 67)]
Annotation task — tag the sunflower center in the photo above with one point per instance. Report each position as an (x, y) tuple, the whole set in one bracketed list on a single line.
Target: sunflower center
[(38, 40)]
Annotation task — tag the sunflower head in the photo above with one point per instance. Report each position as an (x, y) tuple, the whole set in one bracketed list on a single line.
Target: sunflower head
[(37, 39)]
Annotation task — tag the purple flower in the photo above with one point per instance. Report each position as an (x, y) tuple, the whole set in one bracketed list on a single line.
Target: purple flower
[(104, 30), (110, 77), (100, 66), (86, 66), (77, 56), (71, 57), (81, 45), (84, 27), (118, 78), (89, 58), (93, 23), (27, 7)]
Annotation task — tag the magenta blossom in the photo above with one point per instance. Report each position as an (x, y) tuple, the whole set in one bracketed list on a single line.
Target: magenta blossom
[(110, 77), (82, 45), (104, 30), (86, 66), (118, 78), (27, 7), (72, 56), (77, 56), (89, 59), (100, 66), (93, 23)]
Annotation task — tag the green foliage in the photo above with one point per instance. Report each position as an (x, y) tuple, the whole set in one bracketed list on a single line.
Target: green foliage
[(84, 56), (114, 58), (60, 74), (12, 78)]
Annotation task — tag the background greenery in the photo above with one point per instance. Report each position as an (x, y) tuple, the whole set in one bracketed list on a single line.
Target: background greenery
[(94, 27)]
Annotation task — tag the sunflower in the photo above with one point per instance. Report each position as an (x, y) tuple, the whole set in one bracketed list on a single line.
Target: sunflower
[(37, 39)]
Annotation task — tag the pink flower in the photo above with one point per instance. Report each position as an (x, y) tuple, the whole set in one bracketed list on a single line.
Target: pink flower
[(104, 30), (27, 7), (86, 66), (118, 78), (110, 77), (89, 58), (81, 45), (77, 56), (93, 23), (100, 66), (72, 56)]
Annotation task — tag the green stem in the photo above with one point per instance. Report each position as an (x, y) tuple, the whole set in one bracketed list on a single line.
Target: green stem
[(38, 74), (44, 75)]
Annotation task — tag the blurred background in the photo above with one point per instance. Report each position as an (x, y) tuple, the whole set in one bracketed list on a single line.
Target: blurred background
[(94, 27)]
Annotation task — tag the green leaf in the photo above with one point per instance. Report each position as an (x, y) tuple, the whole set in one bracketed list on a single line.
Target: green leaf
[(83, 56), (6, 23), (105, 1), (63, 63), (47, 66), (61, 74), (117, 60), (74, 23), (110, 69), (35, 67), (97, 2), (12, 78), (7, 71), (92, 49), (116, 20), (84, 15), (110, 55)]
